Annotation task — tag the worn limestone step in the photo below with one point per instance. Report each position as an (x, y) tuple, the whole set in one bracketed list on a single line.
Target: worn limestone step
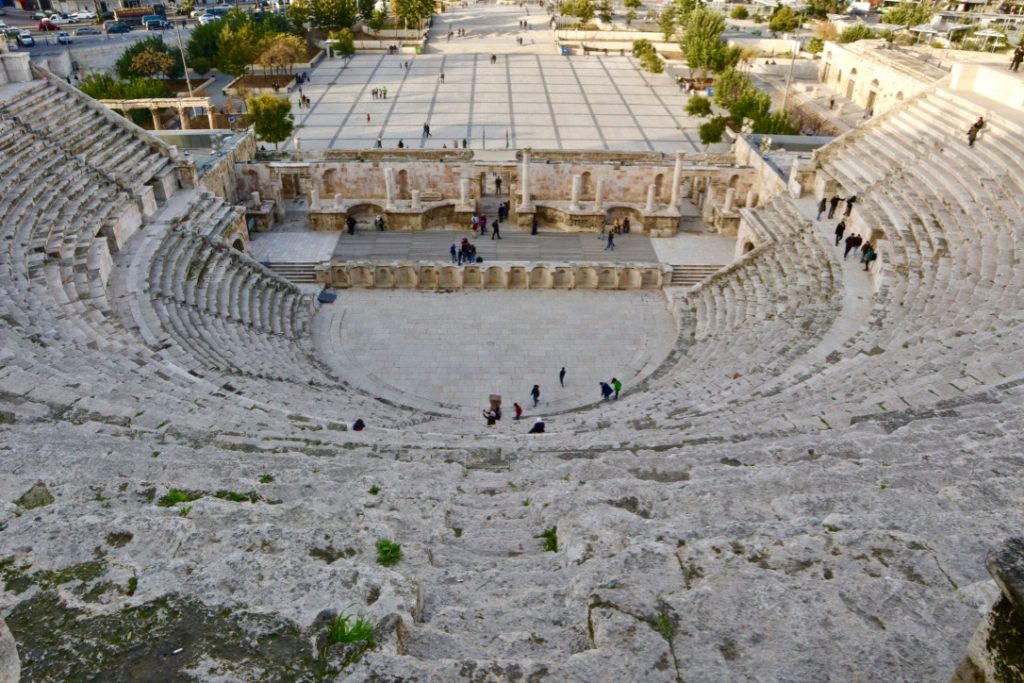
[(296, 271), (690, 274)]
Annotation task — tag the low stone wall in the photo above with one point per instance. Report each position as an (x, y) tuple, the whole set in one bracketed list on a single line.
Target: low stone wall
[(506, 275)]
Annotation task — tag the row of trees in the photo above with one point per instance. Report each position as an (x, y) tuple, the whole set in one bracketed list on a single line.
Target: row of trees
[(334, 15), (237, 40)]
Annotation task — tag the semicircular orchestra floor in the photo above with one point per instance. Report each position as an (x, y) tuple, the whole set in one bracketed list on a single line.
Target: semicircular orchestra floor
[(448, 352)]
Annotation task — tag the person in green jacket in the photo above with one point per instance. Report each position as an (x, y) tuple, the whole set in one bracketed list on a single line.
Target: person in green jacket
[(617, 385)]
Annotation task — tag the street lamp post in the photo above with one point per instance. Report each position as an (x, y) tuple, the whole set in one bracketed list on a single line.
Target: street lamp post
[(188, 81)]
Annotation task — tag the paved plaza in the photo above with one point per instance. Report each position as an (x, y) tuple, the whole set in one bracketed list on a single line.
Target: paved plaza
[(526, 99), (451, 351)]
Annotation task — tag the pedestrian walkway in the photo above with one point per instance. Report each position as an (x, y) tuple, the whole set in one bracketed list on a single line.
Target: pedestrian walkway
[(433, 245)]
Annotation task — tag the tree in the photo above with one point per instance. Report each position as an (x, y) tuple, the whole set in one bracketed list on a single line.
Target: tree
[(702, 43), (684, 9), (378, 20), (125, 63), (632, 4), (332, 15), (152, 63), (784, 20), (752, 105), (299, 12), (344, 43), (855, 33), (630, 16), (698, 106), (825, 30), (908, 14), (238, 49), (366, 8), (820, 8), (581, 9), (272, 118), (731, 86), (414, 11), (204, 44), (739, 12), (712, 131), (815, 46), (779, 123), (281, 51), (604, 11), (667, 23)]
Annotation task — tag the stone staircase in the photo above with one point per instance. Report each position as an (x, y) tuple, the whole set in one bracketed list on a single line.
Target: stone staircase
[(691, 274), (298, 272)]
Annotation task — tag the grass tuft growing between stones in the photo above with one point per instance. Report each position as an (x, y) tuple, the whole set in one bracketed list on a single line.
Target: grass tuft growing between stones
[(175, 496), (549, 539), (374, 490), (266, 479), (389, 553), (348, 629), (663, 625)]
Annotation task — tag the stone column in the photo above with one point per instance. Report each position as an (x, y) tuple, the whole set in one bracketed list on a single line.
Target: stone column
[(416, 200), (183, 115), (389, 188), (751, 198), (209, 117), (677, 177), (574, 196), (598, 194), (709, 201), (155, 113), (524, 180), (730, 199), (298, 143), (338, 201), (314, 200), (464, 192), (651, 205)]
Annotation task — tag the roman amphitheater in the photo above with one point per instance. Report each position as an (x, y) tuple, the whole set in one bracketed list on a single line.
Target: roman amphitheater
[(813, 472)]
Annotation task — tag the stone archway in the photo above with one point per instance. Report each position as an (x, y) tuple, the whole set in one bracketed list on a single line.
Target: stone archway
[(586, 186), (238, 244), (402, 184), (851, 83)]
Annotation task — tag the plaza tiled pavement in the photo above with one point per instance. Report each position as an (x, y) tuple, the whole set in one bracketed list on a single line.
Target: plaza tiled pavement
[(537, 98)]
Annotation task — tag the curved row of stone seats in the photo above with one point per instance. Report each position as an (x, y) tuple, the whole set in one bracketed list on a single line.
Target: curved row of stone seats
[(228, 311), (209, 215), (947, 319), (73, 124)]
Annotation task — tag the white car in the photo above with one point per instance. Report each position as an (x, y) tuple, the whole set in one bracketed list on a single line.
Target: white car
[(25, 39), (59, 20), (84, 15), (207, 19), (64, 38)]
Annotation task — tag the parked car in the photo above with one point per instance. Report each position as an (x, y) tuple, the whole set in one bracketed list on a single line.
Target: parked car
[(85, 15), (47, 25), (88, 31), (39, 16), (59, 20), (25, 39), (117, 27), (64, 38), (207, 19)]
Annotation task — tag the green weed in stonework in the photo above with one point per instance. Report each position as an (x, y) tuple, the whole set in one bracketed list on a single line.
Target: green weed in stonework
[(266, 478), (663, 625), (832, 528), (175, 496), (235, 496), (389, 553), (133, 584), (185, 509), (374, 490), (549, 538), (457, 530), (346, 630)]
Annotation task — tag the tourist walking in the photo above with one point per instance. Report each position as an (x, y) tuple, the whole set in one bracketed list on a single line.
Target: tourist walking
[(606, 391), (610, 246), (840, 229), (401, 144), (426, 131), (495, 231), (850, 201), (534, 226), (1018, 57), (380, 143), (497, 185), (868, 257), (972, 133), (491, 417), (351, 223), (852, 243), (518, 410), (561, 377), (832, 204), (535, 394), (454, 252), (440, 77), (822, 205), (617, 385)]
